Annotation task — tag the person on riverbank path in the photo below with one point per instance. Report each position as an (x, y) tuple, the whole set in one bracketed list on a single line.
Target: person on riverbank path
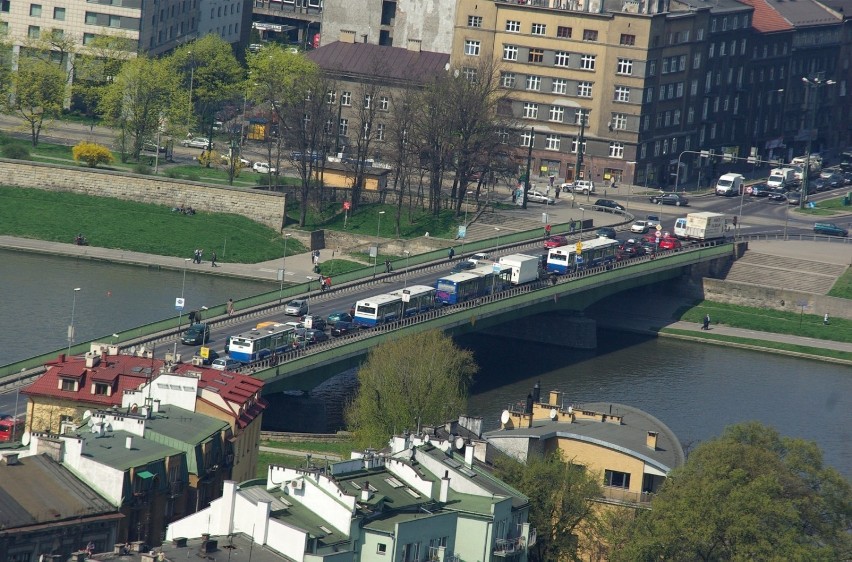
[(213, 260), (706, 325), (230, 307), (451, 253)]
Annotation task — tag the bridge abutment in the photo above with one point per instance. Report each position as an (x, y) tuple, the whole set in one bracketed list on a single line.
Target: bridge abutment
[(561, 328)]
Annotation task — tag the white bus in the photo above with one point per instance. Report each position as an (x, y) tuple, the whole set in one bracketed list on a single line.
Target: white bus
[(260, 343), (378, 310), (416, 299)]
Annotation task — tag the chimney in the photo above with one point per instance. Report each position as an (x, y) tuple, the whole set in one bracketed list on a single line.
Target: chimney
[(366, 494), (61, 358), (651, 440), (8, 459), (445, 487), (468, 455), (156, 405), (536, 393), (128, 443), (555, 395), (347, 36), (415, 45)]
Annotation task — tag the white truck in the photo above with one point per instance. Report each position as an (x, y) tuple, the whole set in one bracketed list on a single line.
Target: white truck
[(729, 185), (524, 268), (782, 178), (705, 226)]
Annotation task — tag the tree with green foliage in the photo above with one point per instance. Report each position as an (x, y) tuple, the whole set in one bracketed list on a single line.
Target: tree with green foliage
[(95, 66), (39, 87), (747, 495), (559, 495), (409, 382), (139, 100), (91, 153)]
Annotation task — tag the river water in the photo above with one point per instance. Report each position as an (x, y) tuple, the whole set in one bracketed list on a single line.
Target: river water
[(695, 389)]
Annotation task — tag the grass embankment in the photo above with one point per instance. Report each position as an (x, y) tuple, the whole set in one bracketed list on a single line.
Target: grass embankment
[(843, 286), (340, 448), (803, 349)]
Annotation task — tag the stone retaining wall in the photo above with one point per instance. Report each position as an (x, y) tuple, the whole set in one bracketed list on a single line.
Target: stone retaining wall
[(264, 207), (744, 294)]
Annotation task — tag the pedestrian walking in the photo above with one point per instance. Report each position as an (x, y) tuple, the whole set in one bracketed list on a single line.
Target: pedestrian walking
[(328, 282), (451, 253), (825, 319), (514, 196), (230, 308), (195, 256), (706, 325), (556, 191), (213, 260), (200, 255), (388, 267)]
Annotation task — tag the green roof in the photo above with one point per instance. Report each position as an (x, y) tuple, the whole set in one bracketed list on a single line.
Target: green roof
[(470, 503), (185, 431), (110, 449), (387, 524)]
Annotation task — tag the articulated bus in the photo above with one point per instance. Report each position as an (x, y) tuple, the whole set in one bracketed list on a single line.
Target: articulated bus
[(415, 299), (260, 343), (460, 287), (10, 428), (378, 310), (497, 276), (564, 259)]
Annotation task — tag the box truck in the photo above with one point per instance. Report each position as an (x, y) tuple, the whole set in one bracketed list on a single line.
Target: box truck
[(782, 178), (524, 267), (705, 226)]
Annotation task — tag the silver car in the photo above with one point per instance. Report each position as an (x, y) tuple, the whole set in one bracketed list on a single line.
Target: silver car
[(225, 364), (539, 197), (296, 307), (196, 142)]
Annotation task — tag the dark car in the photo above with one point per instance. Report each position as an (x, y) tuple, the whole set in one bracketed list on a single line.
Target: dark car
[(343, 328), (630, 249), (606, 232), (847, 177), (835, 180), (335, 317), (830, 229), (196, 334), (649, 246), (463, 265), (556, 241), (760, 190), (794, 197), (820, 184), (317, 322), (609, 204), (212, 355), (315, 336), (675, 199), (778, 194)]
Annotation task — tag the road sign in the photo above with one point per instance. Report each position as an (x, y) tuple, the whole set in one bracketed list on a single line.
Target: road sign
[(749, 190), (579, 248), (462, 232), (347, 205), (179, 303), (658, 234), (659, 227)]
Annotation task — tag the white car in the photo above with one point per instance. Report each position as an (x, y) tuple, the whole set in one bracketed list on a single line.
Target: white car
[(539, 197), (244, 162), (263, 168), (225, 364), (478, 257), (580, 186), (640, 227), (196, 142)]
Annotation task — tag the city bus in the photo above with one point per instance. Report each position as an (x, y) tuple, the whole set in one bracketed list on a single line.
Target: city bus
[(564, 259), (260, 343), (846, 160), (11, 429), (460, 287), (497, 276), (378, 310), (416, 299)]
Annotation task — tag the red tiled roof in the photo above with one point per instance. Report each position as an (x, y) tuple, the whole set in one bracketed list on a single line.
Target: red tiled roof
[(766, 19)]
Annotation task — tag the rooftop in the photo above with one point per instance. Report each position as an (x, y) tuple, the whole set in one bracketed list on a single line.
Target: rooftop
[(110, 448), (804, 13), (394, 63), (183, 426), (766, 19), (232, 548)]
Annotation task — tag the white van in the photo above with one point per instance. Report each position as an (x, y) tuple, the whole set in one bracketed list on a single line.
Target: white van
[(680, 228), (781, 178), (729, 185)]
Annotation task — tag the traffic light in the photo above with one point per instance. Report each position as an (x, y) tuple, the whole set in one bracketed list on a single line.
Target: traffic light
[(735, 220)]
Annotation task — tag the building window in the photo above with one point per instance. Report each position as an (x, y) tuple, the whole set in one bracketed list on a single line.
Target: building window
[(384, 103), (563, 32), (507, 79), (69, 385), (539, 29), (652, 68), (534, 83), (343, 129), (616, 150), (474, 21), (59, 14), (557, 113), (561, 58), (35, 10), (690, 115), (696, 61), (4, 28), (115, 21), (622, 93), (530, 110), (513, 26), (101, 389), (559, 86), (627, 39), (656, 153), (587, 62), (88, 38), (676, 117), (365, 131), (346, 99), (470, 74), (471, 48), (625, 66), (503, 135), (368, 101), (619, 121), (536, 55), (526, 138), (674, 145), (552, 142), (584, 89), (381, 548), (649, 94), (575, 145), (581, 116), (510, 52), (58, 34), (33, 32), (590, 35), (380, 132)]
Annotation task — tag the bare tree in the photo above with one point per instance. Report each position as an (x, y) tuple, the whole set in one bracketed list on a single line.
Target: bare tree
[(364, 132), (401, 152)]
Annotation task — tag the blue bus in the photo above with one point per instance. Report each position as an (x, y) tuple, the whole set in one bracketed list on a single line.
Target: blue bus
[(260, 343), (416, 299), (460, 287), (564, 259), (378, 310)]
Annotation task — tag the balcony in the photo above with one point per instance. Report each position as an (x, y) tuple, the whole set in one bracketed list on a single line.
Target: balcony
[(509, 548), (622, 496)]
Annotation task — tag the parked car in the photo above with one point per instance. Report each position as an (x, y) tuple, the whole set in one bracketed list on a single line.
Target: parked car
[(760, 190), (244, 162), (343, 328), (335, 317), (149, 146), (640, 227), (580, 186), (296, 307), (263, 168), (820, 184), (670, 243), (830, 229), (225, 364), (556, 241), (606, 232), (835, 180), (317, 322), (197, 142), (539, 197), (847, 177), (196, 334), (675, 199), (609, 204)]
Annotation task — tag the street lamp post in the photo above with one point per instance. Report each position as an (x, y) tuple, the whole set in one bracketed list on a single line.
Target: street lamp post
[(180, 310), (814, 83), (468, 192), (405, 281), (283, 269), (378, 232), (497, 249), (582, 220), (71, 325)]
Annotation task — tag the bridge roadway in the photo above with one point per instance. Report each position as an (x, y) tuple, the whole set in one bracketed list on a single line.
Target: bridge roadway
[(303, 368)]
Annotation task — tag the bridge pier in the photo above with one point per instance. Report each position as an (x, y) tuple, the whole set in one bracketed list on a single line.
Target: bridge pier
[(560, 328)]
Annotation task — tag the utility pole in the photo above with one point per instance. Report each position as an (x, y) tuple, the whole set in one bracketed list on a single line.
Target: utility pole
[(580, 143), (529, 164)]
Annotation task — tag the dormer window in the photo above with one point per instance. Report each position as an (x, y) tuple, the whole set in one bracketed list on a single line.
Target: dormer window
[(101, 389), (69, 385)]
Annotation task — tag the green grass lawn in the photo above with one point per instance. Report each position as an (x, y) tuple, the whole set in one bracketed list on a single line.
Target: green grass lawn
[(139, 227), (766, 320), (365, 221), (265, 459), (340, 448), (843, 287), (827, 207), (818, 351)]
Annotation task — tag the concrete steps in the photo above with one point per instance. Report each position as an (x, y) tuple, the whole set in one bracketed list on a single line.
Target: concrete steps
[(785, 272)]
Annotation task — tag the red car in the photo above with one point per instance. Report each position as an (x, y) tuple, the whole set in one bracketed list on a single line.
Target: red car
[(556, 241), (670, 243)]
